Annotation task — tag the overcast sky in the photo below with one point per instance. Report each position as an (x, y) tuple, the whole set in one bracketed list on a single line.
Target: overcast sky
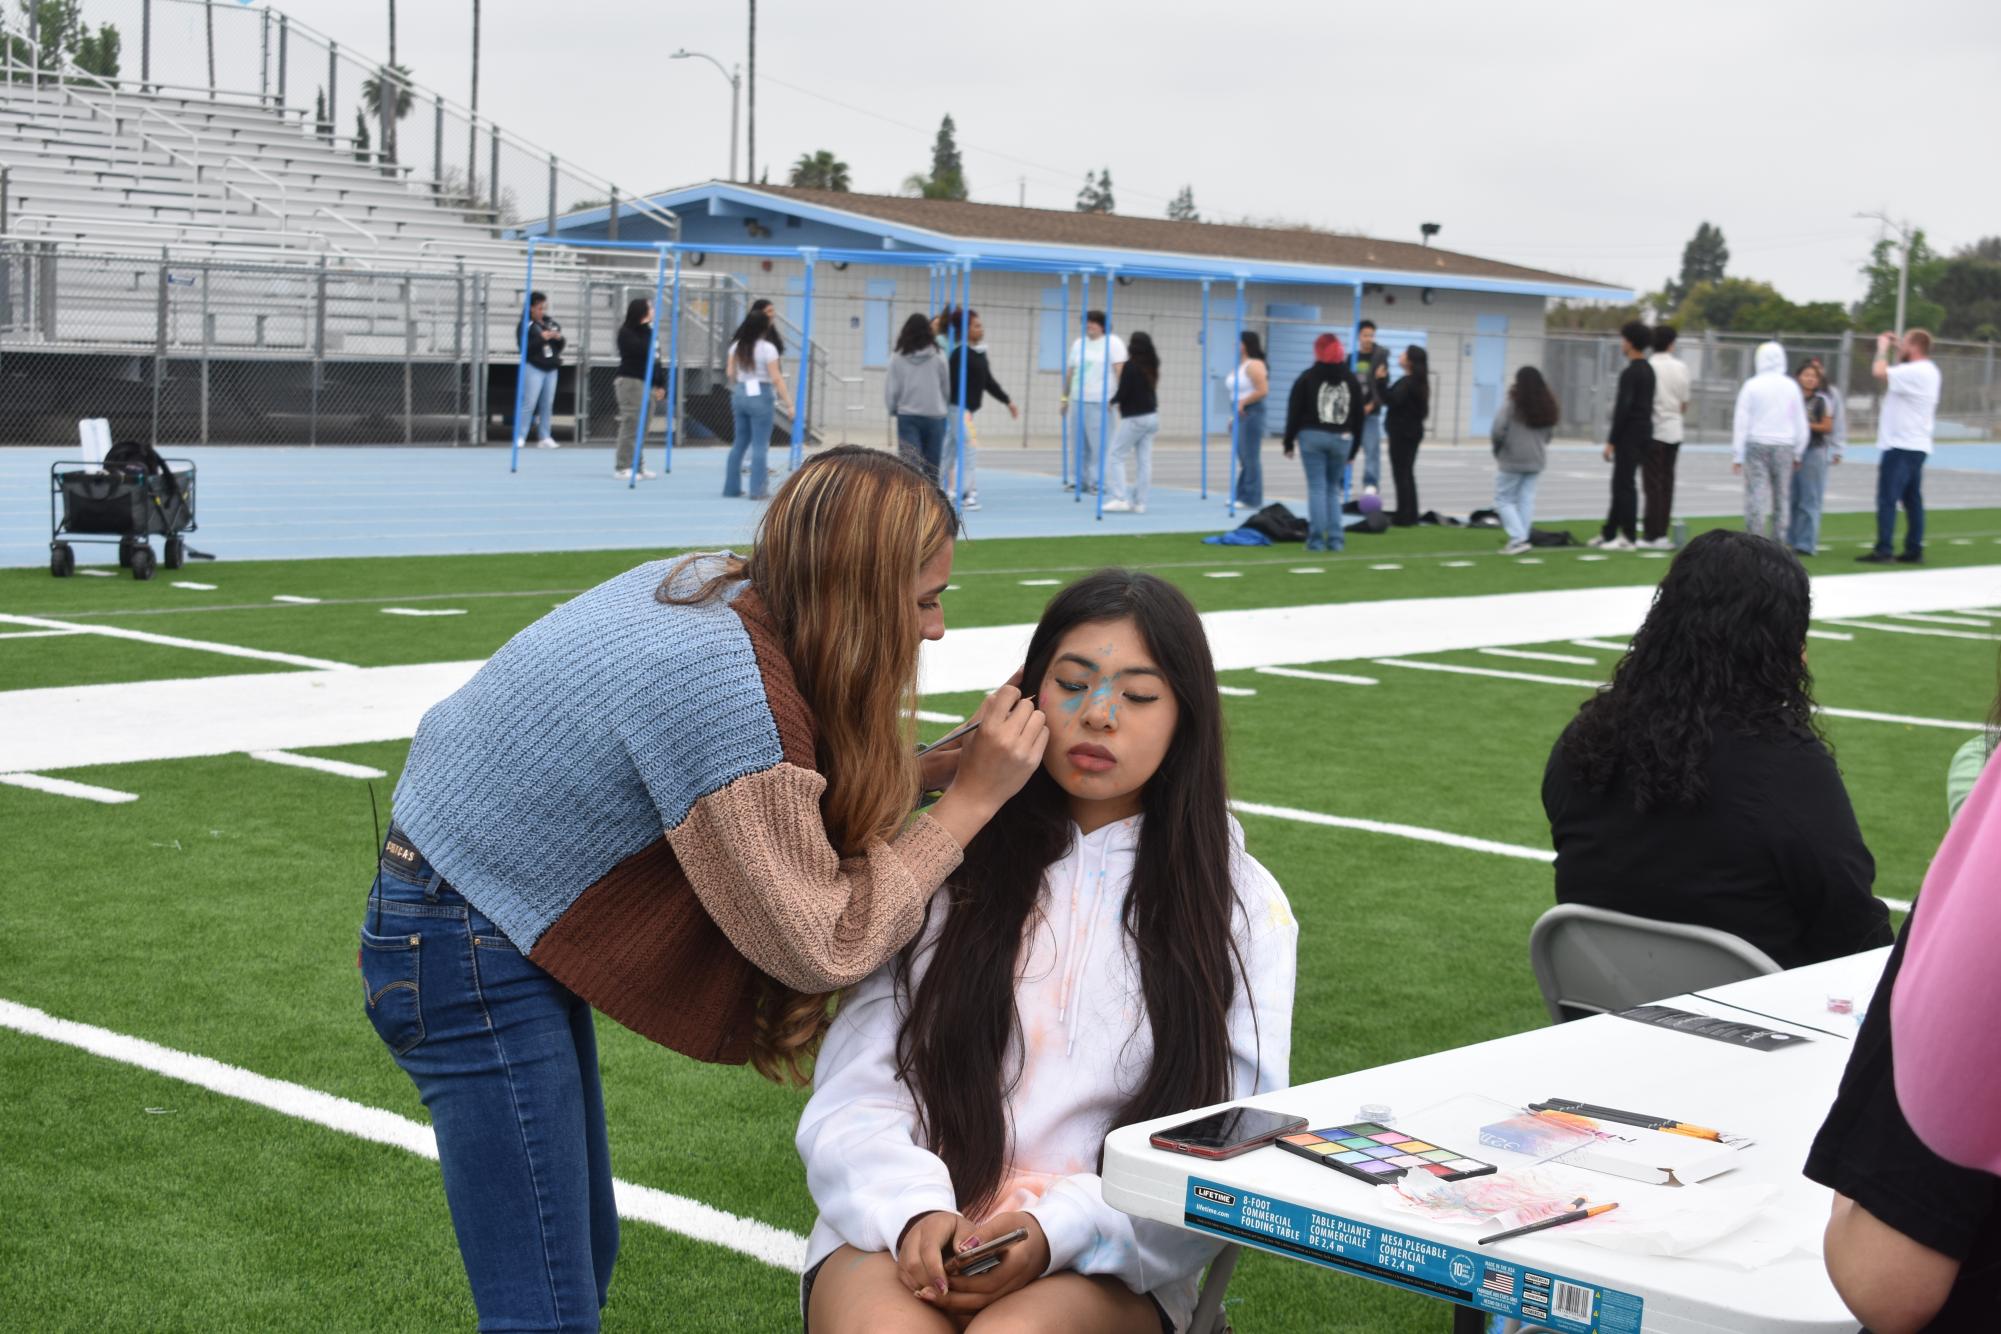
[(1575, 135)]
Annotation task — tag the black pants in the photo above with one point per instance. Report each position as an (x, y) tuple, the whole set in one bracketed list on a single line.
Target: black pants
[(1625, 497), (1657, 482), (1403, 467)]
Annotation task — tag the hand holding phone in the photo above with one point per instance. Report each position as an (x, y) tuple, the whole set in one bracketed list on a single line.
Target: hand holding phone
[(984, 1257), (1227, 1133)]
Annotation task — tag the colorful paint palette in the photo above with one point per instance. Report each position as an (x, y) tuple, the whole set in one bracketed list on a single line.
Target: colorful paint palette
[(1377, 1153)]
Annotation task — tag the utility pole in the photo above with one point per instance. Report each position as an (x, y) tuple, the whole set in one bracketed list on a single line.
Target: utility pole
[(750, 145), (472, 123), (1905, 232), (1021, 193)]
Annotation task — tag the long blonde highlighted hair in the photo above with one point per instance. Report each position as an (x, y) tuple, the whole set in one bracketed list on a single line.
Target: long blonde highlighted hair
[(835, 556)]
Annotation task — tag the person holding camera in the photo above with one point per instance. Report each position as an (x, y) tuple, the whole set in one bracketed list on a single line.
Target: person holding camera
[(1904, 429)]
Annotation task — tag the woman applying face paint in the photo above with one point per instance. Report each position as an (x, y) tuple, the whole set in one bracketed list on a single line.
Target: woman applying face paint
[(1109, 953)]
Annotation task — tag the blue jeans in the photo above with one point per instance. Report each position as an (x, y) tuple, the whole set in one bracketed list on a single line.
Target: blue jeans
[(1899, 479), (1809, 491), (922, 441), (1514, 501), (750, 428), (1133, 439), (1250, 468), (1324, 455), (505, 1058), (1371, 442), (538, 398), (1088, 424)]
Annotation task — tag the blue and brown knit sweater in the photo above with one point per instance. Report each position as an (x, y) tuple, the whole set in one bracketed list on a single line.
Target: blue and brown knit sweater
[(628, 789)]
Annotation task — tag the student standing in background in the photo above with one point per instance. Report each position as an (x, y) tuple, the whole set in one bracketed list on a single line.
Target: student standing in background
[(1322, 414), (1406, 403), (1088, 387), (544, 366), (757, 391), (1904, 437), (917, 392), (1372, 370), (1248, 385), (1767, 441), (1823, 448), (1522, 429), (1670, 418), (635, 340), (1626, 443), (980, 383), (1138, 402)]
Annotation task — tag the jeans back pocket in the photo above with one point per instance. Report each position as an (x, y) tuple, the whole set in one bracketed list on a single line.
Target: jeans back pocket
[(389, 977)]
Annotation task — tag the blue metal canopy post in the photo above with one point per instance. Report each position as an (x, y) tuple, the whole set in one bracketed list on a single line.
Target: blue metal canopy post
[(1083, 348), (1236, 397), (521, 373), (799, 400), (1202, 349), (673, 370), (1105, 391), (1063, 360), (965, 337), (652, 351)]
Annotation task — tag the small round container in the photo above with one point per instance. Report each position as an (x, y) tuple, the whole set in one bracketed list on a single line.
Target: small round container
[(1378, 1112)]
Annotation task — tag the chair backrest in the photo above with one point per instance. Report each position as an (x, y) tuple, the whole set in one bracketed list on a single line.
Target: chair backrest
[(1592, 960)]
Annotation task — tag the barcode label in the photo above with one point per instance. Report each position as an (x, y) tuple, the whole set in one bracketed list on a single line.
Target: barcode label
[(1572, 1301)]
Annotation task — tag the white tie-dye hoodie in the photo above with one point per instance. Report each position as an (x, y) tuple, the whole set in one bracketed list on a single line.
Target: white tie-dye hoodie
[(1086, 1043)]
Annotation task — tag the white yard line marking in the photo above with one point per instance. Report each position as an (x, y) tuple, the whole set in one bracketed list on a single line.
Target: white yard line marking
[(1386, 567), (1040, 583), (1916, 630), (1978, 623), (1947, 724), (38, 634), (338, 767), (189, 583), (1655, 555), (1529, 560), (1494, 672), (1828, 634), (1236, 692), (927, 716), (97, 574), (1417, 832), (1602, 645), (1311, 569), (295, 600), (1224, 574), (1457, 565), (643, 1204), (175, 641), (1594, 558), (63, 787), (426, 611), (1531, 656), (1301, 674)]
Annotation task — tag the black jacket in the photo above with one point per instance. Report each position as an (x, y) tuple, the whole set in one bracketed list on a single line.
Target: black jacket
[(1136, 394), (979, 374), (633, 342), (545, 345), (1404, 410), (1364, 365), (1325, 397), (1633, 409)]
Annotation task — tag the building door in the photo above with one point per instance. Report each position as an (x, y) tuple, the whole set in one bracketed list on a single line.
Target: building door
[(1287, 355), (1490, 368)]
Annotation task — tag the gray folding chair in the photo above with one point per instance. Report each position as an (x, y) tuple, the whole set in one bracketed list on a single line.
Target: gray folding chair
[(1209, 1318), (1592, 961)]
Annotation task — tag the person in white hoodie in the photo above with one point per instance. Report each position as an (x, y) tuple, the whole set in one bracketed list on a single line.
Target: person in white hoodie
[(1107, 953), (1768, 441)]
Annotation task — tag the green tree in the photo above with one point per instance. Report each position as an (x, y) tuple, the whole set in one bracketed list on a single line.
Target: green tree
[(1878, 309), (1987, 247), (363, 145), (61, 34), (820, 171), (1970, 291), (948, 170), (1745, 305), (1703, 260), (388, 91), (97, 52), (1096, 196), (1596, 317), (1181, 208), (320, 121)]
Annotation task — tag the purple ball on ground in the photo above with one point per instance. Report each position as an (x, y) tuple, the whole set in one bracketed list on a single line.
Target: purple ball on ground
[(1369, 503)]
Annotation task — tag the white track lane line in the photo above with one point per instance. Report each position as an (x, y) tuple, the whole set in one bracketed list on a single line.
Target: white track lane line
[(1236, 692), (63, 787), (1040, 583), (1417, 832), (1301, 674), (175, 641), (1916, 630), (1529, 655), (426, 611), (295, 600), (1224, 574), (38, 634), (340, 768), (1829, 634), (1602, 645), (1978, 623), (927, 716), (189, 583), (644, 1204)]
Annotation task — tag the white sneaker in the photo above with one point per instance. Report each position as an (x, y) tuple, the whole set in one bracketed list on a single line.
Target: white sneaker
[(1139, 509), (1368, 490), (972, 500), (1620, 544), (546, 443), (1513, 548), (1117, 507), (1595, 540), (1654, 544)]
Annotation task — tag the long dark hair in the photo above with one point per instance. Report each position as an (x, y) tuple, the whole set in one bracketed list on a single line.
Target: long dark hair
[(1254, 346), (916, 335), (1533, 402), (1724, 646), (1140, 351), (959, 1050), (635, 312), (1420, 378), (755, 329), (762, 306)]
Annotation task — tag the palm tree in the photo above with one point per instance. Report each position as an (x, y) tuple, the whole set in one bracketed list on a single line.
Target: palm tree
[(388, 91), (820, 171)]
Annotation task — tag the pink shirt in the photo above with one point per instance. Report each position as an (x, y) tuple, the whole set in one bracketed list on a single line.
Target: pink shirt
[(1945, 1012)]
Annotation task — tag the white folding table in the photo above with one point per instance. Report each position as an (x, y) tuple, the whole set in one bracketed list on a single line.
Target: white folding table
[(1279, 1202)]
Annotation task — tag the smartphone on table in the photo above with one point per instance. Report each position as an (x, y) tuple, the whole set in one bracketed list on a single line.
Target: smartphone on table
[(1227, 1133), (985, 1256)]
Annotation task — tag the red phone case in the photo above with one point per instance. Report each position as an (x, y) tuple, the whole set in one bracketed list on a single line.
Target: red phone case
[(1229, 1150)]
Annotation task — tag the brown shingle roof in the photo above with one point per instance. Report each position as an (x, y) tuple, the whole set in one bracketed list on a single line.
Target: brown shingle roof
[(1114, 231)]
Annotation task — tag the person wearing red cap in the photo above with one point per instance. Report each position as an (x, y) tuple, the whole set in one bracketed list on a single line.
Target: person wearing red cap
[(1322, 414)]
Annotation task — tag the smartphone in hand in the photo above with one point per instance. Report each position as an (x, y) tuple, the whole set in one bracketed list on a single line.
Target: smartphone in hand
[(981, 1258)]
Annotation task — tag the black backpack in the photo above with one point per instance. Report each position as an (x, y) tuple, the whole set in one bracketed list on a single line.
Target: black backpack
[(1278, 523), (1542, 537)]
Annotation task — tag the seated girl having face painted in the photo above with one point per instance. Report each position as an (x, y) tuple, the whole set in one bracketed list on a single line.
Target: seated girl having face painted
[(1107, 953)]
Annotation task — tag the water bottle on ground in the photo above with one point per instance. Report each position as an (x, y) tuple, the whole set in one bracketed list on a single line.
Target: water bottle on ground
[(1680, 533)]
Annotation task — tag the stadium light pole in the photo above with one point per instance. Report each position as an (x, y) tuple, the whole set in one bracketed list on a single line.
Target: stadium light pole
[(736, 87)]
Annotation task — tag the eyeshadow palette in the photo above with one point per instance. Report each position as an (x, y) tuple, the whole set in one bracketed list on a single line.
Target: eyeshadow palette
[(1377, 1154)]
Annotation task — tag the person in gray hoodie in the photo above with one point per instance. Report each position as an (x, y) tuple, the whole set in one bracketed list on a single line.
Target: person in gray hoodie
[(1521, 433), (917, 392)]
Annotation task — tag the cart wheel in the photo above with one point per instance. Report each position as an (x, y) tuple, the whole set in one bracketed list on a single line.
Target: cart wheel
[(62, 559), (142, 562), (126, 546), (177, 554)]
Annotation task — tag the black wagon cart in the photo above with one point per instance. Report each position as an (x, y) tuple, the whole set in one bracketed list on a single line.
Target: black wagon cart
[(135, 496)]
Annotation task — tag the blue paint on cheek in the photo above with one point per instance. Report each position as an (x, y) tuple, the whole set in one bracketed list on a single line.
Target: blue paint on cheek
[(1072, 703)]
